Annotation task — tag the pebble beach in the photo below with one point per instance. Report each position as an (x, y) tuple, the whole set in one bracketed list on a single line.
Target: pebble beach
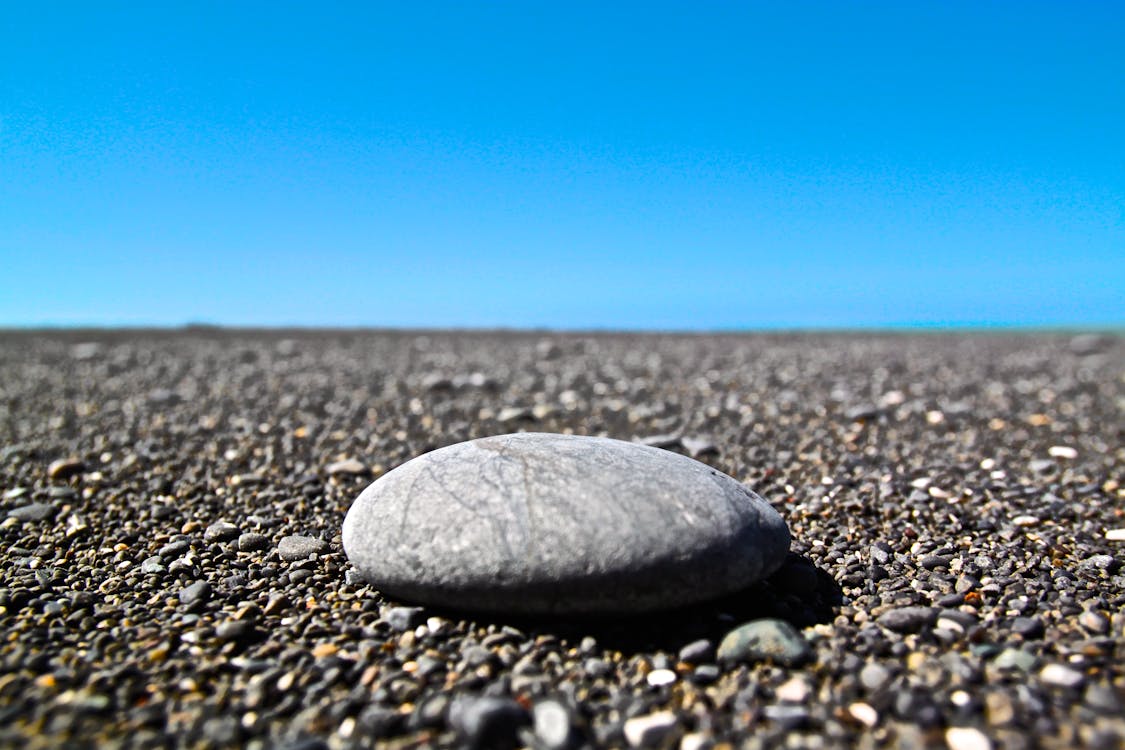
[(172, 570)]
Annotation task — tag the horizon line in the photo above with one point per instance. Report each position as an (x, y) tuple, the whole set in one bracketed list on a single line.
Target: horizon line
[(1116, 328)]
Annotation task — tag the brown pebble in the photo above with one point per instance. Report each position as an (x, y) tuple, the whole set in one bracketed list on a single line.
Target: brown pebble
[(65, 468)]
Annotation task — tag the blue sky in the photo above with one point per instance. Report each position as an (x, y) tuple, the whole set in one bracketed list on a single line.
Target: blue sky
[(568, 165)]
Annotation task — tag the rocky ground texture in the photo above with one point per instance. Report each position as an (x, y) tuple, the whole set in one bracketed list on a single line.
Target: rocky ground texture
[(171, 573)]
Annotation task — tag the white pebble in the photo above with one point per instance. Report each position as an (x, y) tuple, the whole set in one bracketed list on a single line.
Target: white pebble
[(650, 730), (1062, 451), (1115, 535), (695, 741), (864, 714), (659, 677), (794, 690), (987, 464), (892, 398), (1025, 520), (967, 738), (1060, 676)]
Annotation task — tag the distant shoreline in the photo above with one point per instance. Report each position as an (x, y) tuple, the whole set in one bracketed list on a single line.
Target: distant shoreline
[(1112, 329)]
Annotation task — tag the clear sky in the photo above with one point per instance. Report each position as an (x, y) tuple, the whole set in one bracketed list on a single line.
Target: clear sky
[(563, 164)]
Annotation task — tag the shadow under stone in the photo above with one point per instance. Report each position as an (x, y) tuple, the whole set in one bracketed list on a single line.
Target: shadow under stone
[(799, 593)]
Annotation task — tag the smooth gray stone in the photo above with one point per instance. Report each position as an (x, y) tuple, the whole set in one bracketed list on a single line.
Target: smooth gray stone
[(765, 639), (297, 547), (34, 512), (538, 523)]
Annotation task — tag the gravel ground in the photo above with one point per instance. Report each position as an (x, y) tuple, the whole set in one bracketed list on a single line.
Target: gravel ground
[(171, 572)]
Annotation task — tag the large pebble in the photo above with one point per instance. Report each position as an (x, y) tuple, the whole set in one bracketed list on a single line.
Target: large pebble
[(538, 523), (34, 512), (488, 722)]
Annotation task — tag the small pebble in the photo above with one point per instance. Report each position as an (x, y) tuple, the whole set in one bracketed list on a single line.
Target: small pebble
[(966, 738), (347, 467), (220, 531), (651, 730), (1062, 451), (793, 690), (154, 564), (1095, 622), (195, 593), (232, 630), (999, 708), (174, 549), (705, 674), (488, 722), (1029, 627), (698, 652), (252, 541), (695, 741), (660, 677), (863, 713), (874, 676), (297, 547), (787, 716), (765, 639), (65, 468), (907, 619), (1014, 658), (1103, 698), (554, 726), (404, 618), (1062, 676)]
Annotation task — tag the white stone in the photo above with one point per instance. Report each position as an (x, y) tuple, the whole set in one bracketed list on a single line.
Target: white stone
[(967, 738), (793, 690), (347, 466), (864, 714), (695, 741), (651, 729), (1060, 676), (660, 677)]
